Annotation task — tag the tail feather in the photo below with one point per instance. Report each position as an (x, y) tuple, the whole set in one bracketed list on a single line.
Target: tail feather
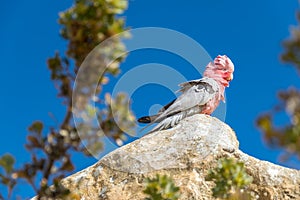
[(147, 119), (168, 122)]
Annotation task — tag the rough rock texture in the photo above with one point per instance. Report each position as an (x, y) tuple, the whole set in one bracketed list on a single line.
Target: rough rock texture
[(185, 153)]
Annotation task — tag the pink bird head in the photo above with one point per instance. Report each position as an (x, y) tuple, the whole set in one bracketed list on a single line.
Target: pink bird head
[(221, 70)]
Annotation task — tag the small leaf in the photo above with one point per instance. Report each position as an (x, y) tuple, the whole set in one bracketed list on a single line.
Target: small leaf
[(7, 162), (67, 165), (34, 142), (36, 127)]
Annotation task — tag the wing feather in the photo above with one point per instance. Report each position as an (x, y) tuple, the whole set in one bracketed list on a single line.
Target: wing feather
[(195, 94)]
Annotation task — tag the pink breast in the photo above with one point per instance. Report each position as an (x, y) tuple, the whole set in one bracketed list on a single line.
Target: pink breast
[(210, 106)]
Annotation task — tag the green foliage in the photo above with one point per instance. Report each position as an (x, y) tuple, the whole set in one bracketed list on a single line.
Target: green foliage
[(292, 46), (84, 25), (7, 178), (7, 162), (229, 177), (286, 136), (116, 118), (88, 23), (55, 161), (161, 188)]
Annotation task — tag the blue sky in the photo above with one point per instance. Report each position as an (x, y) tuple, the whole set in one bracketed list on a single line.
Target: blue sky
[(250, 33)]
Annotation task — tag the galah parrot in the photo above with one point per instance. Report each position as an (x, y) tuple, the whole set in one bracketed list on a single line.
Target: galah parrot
[(198, 96)]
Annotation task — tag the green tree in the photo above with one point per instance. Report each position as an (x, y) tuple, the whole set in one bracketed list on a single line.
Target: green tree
[(286, 137), (86, 24)]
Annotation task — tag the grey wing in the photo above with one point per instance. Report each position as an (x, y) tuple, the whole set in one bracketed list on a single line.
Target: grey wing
[(195, 94)]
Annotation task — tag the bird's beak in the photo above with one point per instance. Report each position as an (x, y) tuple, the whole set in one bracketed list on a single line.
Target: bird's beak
[(229, 78)]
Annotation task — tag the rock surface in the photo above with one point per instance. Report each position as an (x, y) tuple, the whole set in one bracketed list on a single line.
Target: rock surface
[(185, 153)]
